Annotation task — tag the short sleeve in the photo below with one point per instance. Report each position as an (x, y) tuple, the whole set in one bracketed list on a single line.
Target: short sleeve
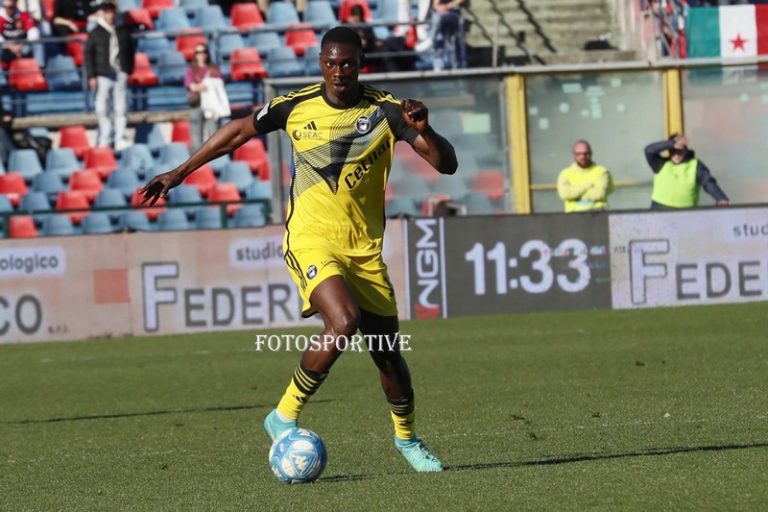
[(273, 116), (397, 124)]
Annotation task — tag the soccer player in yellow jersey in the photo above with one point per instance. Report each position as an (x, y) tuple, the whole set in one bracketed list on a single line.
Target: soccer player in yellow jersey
[(343, 135)]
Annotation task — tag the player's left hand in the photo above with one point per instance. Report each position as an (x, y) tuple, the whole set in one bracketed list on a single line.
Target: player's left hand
[(415, 114)]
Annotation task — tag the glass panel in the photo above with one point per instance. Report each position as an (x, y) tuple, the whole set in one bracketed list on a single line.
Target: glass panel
[(617, 112), (726, 118)]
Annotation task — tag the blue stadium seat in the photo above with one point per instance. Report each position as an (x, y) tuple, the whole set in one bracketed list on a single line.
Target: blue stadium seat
[(259, 189), (454, 186), (62, 74), (35, 201), (321, 11), (312, 61), (171, 68), (227, 43), (125, 5), (62, 161), (151, 135), (166, 97), (281, 13), (173, 154), (154, 46), (186, 194), (219, 163), (401, 207), (412, 185), (135, 220), (211, 18), (138, 156), (173, 19), (49, 183), (111, 197), (173, 220), (477, 203), (25, 162), (265, 42), (388, 11), (191, 6), (58, 225), (208, 218), (282, 61), (250, 216), (238, 173), (5, 205), (97, 223), (125, 180)]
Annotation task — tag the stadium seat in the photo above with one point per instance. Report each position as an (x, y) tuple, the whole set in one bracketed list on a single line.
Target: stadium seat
[(245, 16), (247, 64), (223, 192), (203, 179), (13, 187), (238, 173), (137, 156), (35, 202), (210, 18), (25, 75), (127, 5), (62, 74), (124, 180), (282, 13), (255, 154), (101, 160), (75, 47), (173, 154), (75, 138), (151, 135), (143, 75), (282, 62), (186, 42), (22, 226), (312, 61), (73, 200), (5, 205), (25, 162), (259, 189), (412, 185), (345, 9), (111, 198), (87, 181), (250, 216), (208, 218), (48, 183), (173, 220), (299, 39), (97, 223), (61, 162), (173, 19), (401, 207), (190, 6), (139, 17), (152, 213), (320, 12), (58, 225), (477, 203), (219, 163), (180, 131), (453, 186), (228, 43), (264, 42), (388, 12), (171, 68), (156, 6), (185, 194), (491, 183), (135, 220), (153, 45)]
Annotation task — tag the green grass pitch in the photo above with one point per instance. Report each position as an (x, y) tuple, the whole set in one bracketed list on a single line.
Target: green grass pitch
[(599, 410)]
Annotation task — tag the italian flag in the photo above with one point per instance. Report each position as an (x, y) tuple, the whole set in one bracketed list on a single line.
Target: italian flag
[(730, 31)]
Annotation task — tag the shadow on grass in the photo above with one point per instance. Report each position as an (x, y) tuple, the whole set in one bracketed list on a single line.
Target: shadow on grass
[(223, 408), (651, 452), (342, 478)]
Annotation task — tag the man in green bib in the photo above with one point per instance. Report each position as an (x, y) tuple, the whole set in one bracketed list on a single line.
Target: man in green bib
[(679, 176)]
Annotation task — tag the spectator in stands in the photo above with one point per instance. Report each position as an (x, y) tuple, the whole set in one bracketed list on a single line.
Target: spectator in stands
[(200, 126), (584, 185), (447, 33), (16, 28), (388, 48), (679, 176), (108, 60), (70, 17)]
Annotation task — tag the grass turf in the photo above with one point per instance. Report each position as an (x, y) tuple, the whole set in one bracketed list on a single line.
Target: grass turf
[(601, 410)]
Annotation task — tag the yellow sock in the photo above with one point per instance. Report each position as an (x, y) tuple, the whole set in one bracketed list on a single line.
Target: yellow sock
[(303, 385), (403, 417)]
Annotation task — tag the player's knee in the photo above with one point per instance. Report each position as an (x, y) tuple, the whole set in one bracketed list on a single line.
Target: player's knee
[(345, 322)]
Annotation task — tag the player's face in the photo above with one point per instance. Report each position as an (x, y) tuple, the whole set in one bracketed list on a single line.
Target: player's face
[(582, 154), (340, 64)]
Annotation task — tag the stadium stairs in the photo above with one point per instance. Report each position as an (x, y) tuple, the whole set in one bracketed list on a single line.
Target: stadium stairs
[(546, 31)]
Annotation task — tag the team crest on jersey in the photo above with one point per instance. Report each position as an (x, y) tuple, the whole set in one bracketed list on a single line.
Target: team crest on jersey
[(311, 272), (363, 125)]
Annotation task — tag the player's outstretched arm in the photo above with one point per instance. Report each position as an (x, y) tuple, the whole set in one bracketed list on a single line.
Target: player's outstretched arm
[(226, 139), (432, 146)]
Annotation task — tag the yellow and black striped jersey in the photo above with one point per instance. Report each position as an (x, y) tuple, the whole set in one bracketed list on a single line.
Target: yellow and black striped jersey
[(340, 165)]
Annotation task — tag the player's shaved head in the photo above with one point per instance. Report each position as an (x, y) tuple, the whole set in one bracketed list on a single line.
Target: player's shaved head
[(342, 35)]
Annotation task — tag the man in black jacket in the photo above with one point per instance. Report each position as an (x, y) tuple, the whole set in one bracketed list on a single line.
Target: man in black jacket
[(108, 62)]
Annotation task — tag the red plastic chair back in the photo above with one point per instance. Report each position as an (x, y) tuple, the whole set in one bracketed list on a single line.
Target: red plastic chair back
[(22, 226), (75, 138), (101, 160), (255, 154), (73, 200), (13, 187), (247, 64), (24, 74), (246, 15), (143, 74), (301, 39)]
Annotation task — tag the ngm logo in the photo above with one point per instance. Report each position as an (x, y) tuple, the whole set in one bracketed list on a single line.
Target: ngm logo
[(428, 269)]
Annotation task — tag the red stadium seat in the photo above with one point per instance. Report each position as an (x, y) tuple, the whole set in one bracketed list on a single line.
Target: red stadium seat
[(222, 192), (13, 187), (101, 159), (139, 17), (155, 6), (73, 200), (345, 9), (186, 42), (301, 39), (22, 226), (143, 74), (246, 15), (203, 179), (152, 213), (75, 138), (75, 47), (180, 131), (255, 154), (247, 64), (88, 182), (491, 183), (25, 75)]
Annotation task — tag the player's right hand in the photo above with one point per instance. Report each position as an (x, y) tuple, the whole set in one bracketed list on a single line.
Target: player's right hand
[(159, 186)]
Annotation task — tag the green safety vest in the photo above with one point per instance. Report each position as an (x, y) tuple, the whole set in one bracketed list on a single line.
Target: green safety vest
[(675, 185)]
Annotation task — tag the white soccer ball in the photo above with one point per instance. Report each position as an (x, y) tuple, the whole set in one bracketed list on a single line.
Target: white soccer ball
[(297, 456)]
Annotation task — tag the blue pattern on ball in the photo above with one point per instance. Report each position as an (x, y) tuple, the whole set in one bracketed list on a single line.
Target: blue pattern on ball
[(298, 456)]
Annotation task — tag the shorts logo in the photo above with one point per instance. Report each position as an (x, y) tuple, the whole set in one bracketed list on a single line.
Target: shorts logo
[(311, 272), (363, 125)]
